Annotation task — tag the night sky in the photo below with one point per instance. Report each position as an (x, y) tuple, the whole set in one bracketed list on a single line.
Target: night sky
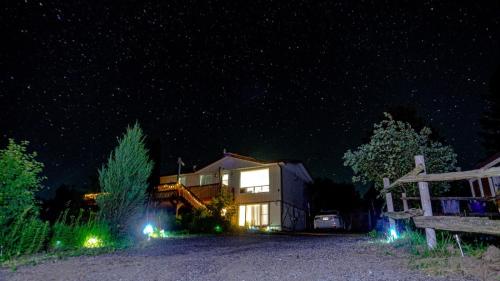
[(273, 80)]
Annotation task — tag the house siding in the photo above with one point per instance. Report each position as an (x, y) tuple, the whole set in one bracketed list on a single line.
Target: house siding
[(286, 196), (294, 198)]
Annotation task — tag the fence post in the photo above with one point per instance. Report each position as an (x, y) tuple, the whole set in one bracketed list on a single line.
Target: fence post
[(405, 201), (390, 205), (425, 198)]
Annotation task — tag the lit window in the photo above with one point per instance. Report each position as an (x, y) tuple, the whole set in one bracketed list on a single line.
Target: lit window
[(264, 214), (254, 181), (253, 215), (225, 179), (206, 179), (182, 180), (241, 217)]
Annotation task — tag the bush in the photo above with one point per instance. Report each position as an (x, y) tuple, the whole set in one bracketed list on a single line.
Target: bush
[(167, 221), (216, 218), (21, 232), (27, 235)]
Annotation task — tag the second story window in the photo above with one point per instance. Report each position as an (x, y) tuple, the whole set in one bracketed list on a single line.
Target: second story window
[(206, 179), (254, 181)]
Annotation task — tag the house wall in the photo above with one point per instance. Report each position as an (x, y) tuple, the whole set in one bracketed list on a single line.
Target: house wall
[(275, 215), (294, 216), (274, 193), (496, 182), (272, 197)]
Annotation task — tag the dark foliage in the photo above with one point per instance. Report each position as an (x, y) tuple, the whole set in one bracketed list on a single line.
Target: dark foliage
[(328, 195)]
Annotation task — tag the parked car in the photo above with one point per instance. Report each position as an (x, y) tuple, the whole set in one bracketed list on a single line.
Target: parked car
[(328, 220)]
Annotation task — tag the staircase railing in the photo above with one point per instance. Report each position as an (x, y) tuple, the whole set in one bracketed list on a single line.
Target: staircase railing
[(181, 191)]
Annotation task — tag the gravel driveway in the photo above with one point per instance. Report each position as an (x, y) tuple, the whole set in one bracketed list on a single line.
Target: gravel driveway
[(258, 257)]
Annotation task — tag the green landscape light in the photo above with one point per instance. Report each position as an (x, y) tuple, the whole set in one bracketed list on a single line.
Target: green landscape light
[(218, 229), (92, 242)]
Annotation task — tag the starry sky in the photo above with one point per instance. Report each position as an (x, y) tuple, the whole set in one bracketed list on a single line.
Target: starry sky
[(275, 80)]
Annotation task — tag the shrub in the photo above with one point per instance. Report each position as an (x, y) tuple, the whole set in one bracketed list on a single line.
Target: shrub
[(19, 180), (216, 218), (27, 235), (124, 181), (21, 232), (167, 221)]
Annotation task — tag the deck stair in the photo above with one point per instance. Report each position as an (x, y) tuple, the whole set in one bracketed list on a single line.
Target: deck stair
[(177, 190)]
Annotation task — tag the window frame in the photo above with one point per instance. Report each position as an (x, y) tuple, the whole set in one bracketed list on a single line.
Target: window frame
[(264, 218), (256, 188)]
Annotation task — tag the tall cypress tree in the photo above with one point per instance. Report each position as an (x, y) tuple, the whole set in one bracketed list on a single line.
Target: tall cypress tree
[(124, 181), (490, 121)]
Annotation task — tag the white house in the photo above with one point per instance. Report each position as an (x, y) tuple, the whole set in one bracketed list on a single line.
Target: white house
[(269, 194), (486, 187)]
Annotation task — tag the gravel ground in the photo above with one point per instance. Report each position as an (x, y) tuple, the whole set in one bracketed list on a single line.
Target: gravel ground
[(258, 257)]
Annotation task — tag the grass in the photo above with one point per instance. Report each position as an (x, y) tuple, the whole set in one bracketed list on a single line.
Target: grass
[(26, 236), (82, 231), (416, 243), (70, 236), (445, 258)]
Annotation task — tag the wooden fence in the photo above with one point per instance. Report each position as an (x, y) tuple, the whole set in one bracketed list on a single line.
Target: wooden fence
[(424, 218)]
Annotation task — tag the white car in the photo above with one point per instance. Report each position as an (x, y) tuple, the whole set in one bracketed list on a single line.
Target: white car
[(328, 220)]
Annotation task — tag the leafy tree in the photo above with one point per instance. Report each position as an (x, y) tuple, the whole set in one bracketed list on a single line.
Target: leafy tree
[(19, 180), (490, 121), (124, 180), (390, 153)]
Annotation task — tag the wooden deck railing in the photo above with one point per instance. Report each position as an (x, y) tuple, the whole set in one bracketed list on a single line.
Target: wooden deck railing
[(178, 190)]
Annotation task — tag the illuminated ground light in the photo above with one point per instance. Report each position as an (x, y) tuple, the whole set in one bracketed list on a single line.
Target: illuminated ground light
[(92, 242), (58, 244), (148, 229), (218, 229), (393, 235)]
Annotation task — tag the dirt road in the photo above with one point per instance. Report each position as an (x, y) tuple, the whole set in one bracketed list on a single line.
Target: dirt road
[(258, 257)]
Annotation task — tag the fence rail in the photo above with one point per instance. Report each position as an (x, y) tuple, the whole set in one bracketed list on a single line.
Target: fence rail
[(427, 220)]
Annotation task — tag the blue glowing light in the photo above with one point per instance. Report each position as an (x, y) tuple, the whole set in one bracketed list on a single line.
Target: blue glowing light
[(148, 229), (393, 235)]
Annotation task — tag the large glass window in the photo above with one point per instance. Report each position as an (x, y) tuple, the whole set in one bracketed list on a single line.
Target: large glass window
[(253, 215), (254, 181)]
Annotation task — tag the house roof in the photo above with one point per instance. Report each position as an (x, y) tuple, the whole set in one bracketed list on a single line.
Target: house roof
[(489, 162), (247, 158), (251, 159)]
